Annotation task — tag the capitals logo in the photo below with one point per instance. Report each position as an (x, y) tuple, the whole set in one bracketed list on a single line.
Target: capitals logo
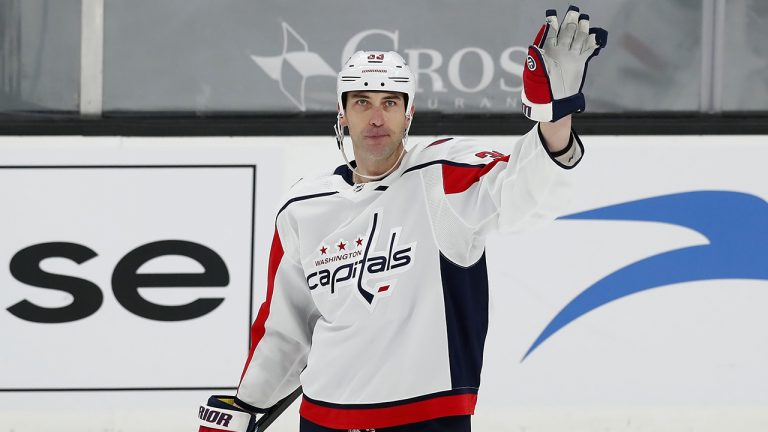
[(363, 264)]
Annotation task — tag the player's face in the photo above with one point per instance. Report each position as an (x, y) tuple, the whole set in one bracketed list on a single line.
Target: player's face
[(376, 122)]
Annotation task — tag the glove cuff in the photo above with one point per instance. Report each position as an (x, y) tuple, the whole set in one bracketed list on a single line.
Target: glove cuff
[(218, 416), (553, 110)]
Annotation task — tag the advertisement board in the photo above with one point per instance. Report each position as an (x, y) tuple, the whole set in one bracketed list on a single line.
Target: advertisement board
[(640, 309)]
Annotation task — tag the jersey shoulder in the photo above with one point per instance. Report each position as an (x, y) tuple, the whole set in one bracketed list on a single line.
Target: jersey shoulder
[(457, 150), (309, 187)]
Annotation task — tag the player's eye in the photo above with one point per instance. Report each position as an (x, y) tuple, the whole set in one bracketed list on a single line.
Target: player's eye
[(391, 103), (361, 101)]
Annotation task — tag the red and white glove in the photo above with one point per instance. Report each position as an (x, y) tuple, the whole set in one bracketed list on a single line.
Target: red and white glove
[(557, 65)]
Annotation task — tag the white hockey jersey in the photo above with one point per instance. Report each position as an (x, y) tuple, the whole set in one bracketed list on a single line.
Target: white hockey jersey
[(377, 298)]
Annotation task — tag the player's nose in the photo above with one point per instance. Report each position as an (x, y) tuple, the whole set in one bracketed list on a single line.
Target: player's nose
[(377, 117)]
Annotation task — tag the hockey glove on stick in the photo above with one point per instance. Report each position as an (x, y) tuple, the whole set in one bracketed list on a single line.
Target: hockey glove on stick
[(221, 414), (556, 66)]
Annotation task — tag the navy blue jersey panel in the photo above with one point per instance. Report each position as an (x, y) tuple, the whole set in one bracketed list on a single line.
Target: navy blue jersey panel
[(465, 290)]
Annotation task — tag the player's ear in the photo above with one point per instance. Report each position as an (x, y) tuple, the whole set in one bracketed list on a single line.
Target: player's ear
[(342, 118)]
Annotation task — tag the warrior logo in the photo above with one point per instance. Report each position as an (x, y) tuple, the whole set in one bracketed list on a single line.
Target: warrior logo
[(371, 265)]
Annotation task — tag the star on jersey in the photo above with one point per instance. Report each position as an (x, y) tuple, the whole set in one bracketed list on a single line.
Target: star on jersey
[(367, 268)]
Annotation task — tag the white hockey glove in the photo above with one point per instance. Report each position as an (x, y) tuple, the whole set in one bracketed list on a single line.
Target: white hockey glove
[(557, 65)]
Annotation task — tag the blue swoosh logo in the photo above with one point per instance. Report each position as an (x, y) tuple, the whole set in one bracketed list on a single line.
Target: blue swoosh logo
[(735, 223)]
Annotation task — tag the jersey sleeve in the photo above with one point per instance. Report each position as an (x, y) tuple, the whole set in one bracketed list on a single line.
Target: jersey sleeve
[(282, 331), (511, 188)]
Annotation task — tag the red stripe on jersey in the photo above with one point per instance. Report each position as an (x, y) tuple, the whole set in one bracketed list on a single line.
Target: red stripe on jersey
[(457, 179), (257, 329), (440, 141), (374, 418)]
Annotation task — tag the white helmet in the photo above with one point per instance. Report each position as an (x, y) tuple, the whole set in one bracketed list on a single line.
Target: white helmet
[(374, 71)]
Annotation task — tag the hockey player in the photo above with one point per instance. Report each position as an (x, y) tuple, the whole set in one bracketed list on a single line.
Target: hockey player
[(377, 295)]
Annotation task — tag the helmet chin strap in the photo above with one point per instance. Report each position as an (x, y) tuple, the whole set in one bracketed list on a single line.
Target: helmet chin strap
[(339, 129)]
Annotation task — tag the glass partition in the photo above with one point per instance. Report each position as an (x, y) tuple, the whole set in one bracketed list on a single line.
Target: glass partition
[(744, 67), (39, 55), (200, 57)]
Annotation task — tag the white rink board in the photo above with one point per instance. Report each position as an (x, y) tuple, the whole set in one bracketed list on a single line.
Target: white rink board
[(686, 356), (94, 205)]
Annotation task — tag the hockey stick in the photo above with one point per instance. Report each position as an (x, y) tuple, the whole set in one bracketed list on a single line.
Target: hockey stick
[(273, 413)]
